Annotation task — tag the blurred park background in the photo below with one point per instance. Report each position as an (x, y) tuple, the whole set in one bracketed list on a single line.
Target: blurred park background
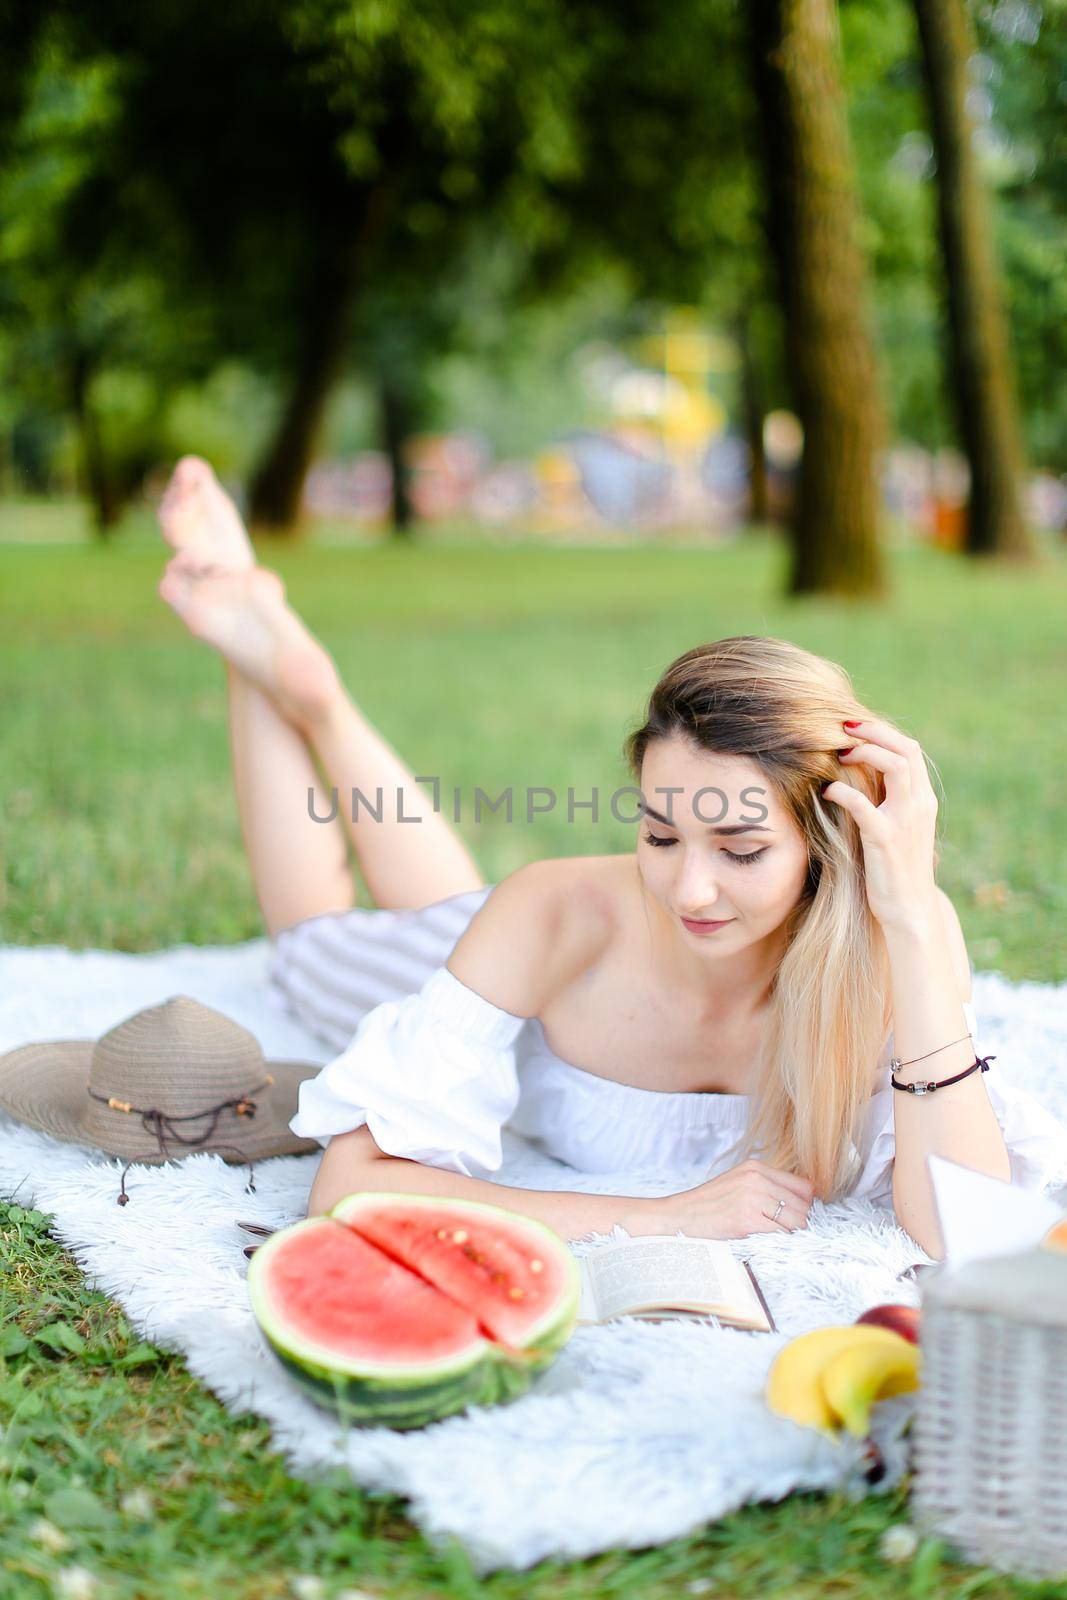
[(564, 270)]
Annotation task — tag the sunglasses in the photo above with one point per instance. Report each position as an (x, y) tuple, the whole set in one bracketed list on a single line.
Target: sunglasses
[(258, 1231)]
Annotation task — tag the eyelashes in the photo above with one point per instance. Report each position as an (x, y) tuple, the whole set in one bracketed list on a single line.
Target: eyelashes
[(753, 855)]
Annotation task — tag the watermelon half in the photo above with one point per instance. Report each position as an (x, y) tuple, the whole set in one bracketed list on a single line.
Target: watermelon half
[(396, 1310)]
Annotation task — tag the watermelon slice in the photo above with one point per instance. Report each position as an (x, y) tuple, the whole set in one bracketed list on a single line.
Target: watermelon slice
[(398, 1310), (507, 1269)]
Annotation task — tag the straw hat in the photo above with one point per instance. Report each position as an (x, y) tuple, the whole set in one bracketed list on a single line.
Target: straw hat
[(169, 1080)]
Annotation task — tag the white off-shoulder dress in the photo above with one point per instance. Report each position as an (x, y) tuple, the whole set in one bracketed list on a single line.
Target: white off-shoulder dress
[(436, 1071)]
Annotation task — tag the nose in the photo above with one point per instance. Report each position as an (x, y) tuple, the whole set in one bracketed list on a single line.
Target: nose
[(697, 892)]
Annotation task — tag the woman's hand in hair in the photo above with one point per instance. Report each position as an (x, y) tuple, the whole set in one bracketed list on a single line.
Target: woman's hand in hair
[(898, 835), (734, 1204)]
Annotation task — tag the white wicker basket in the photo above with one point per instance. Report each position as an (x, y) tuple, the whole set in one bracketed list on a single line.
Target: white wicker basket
[(990, 1429)]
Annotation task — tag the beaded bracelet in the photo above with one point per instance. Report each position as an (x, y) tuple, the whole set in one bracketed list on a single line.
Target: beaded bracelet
[(928, 1088)]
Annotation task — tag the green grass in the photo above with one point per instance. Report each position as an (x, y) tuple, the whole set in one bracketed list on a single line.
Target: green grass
[(490, 666), (495, 666)]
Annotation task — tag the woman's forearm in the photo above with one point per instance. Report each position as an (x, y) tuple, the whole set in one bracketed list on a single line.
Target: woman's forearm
[(957, 1122), (353, 1162)]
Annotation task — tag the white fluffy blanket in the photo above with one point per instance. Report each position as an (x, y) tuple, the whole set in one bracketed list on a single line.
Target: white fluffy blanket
[(638, 1433)]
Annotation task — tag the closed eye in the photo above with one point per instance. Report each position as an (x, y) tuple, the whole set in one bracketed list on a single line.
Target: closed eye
[(731, 855)]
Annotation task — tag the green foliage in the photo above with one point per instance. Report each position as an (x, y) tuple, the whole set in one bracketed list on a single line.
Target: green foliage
[(895, 172), (422, 137), (91, 330), (177, 181), (1017, 101), (1024, 70)]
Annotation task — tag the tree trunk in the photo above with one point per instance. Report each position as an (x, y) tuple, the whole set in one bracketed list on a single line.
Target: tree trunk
[(752, 408), (278, 485), (99, 480), (983, 380), (812, 229), (277, 488), (396, 420)]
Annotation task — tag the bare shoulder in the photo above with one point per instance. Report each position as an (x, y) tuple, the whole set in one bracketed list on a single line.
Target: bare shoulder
[(538, 931)]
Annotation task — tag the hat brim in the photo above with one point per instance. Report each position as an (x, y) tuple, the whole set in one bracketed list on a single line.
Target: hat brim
[(45, 1086)]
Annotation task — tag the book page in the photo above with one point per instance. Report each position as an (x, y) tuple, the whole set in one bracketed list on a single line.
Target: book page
[(662, 1271)]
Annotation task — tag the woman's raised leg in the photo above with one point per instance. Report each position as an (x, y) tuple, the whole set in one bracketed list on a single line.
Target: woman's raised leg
[(299, 867), (286, 703), (409, 854)]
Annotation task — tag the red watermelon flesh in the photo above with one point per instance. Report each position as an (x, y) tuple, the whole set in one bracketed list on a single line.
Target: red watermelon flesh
[(339, 1292), (509, 1272)]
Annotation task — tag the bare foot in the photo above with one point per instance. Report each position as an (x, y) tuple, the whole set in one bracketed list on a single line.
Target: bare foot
[(197, 515), (245, 616)]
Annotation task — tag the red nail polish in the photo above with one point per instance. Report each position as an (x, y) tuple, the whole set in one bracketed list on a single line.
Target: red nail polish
[(850, 724)]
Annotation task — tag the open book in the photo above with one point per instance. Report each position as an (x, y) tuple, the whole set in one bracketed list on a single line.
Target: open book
[(660, 1275)]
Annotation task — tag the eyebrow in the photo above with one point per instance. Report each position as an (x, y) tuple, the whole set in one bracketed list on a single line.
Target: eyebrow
[(731, 829)]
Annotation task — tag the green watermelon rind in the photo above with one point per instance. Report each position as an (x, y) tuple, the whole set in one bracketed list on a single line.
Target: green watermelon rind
[(548, 1335), (366, 1404), (320, 1357)]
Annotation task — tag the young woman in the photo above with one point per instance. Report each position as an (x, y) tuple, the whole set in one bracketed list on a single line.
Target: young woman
[(719, 1007)]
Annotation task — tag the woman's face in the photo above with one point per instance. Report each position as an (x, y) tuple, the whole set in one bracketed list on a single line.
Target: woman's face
[(748, 878)]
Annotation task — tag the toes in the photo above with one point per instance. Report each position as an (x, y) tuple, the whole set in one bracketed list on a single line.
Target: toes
[(168, 504), (190, 475), (192, 472)]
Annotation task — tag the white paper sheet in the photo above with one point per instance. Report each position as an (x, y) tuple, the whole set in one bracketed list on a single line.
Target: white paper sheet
[(982, 1216)]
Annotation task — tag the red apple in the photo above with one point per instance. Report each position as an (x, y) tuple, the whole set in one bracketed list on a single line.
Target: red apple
[(899, 1319)]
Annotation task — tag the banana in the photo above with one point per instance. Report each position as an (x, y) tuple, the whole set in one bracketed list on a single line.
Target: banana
[(858, 1375), (794, 1388)]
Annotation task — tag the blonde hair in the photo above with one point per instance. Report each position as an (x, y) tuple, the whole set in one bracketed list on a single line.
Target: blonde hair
[(782, 707)]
